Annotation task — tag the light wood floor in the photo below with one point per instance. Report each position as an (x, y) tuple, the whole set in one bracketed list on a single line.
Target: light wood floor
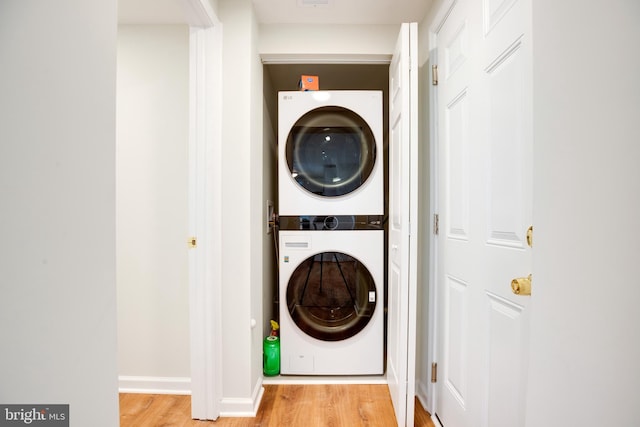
[(282, 406)]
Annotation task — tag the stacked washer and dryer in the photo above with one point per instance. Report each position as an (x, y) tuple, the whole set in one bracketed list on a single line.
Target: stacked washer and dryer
[(331, 238)]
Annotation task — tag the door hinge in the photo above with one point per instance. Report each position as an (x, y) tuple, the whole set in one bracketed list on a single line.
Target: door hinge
[(192, 242), (434, 372), (434, 75), (436, 224)]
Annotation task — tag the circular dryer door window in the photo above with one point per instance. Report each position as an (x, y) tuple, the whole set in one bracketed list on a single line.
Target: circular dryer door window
[(331, 296), (331, 151)]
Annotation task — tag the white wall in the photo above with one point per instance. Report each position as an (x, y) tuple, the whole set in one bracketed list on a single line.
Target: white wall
[(353, 41), (584, 336), (243, 209), (259, 168), (151, 214), (57, 222)]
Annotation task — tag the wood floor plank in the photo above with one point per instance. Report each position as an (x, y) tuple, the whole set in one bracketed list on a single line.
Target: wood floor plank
[(422, 418), (336, 405)]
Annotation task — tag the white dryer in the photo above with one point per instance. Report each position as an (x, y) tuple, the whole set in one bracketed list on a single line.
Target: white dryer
[(331, 302), (330, 153)]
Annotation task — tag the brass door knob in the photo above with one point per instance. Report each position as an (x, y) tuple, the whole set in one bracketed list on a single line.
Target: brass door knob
[(521, 285)]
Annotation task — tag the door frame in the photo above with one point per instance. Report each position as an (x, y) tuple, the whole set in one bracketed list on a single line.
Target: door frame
[(434, 167), (204, 206), (340, 59), (434, 27)]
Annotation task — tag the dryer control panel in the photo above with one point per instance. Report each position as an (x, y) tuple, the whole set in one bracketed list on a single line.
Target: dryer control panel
[(331, 222)]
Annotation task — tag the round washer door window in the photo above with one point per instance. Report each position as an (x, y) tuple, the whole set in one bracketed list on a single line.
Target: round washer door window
[(331, 296), (330, 151)]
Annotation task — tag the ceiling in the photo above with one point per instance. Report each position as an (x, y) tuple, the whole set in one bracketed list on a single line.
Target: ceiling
[(287, 11), (150, 12), (340, 11), (285, 77)]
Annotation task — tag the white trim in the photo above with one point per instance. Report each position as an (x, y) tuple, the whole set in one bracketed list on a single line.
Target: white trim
[(431, 396), (317, 58), (154, 385), (205, 192), (414, 220), (242, 407), (198, 13), (422, 394)]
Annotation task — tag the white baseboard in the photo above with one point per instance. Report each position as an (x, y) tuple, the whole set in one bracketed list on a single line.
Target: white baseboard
[(422, 394), (154, 385), (242, 407)]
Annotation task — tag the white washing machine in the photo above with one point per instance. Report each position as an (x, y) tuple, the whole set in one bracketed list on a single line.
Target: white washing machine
[(331, 302), (330, 153)]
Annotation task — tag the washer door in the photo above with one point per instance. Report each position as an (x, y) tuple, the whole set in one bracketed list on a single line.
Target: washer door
[(330, 151), (331, 296)]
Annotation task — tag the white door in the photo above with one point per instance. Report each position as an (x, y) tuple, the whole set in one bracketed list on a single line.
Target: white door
[(485, 192), (205, 189), (403, 139)]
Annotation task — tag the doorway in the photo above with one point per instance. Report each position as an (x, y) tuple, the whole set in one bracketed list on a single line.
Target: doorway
[(285, 77), (151, 207), (190, 199)]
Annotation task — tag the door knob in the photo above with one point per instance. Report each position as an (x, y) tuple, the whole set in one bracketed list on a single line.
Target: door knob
[(521, 285)]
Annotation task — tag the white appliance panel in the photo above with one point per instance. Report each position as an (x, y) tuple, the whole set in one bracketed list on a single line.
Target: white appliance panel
[(314, 169), (361, 354)]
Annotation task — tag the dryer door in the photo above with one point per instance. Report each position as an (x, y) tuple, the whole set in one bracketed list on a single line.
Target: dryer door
[(330, 151), (331, 296)]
